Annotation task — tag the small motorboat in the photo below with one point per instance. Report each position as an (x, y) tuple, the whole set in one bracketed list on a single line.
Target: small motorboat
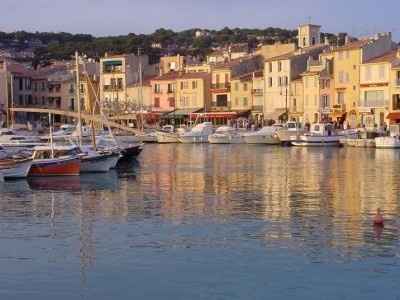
[(289, 131), (167, 135), (55, 161), (129, 151), (266, 135), (226, 135), (198, 134), (320, 135)]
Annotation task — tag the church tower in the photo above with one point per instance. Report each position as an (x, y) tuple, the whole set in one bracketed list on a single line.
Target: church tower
[(309, 35)]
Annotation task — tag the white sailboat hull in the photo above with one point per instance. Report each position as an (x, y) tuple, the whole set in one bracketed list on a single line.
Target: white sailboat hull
[(99, 164), (317, 141), (225, 139), (19, 170), (193, 139)]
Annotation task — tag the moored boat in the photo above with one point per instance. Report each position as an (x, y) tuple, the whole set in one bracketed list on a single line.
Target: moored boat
[(55, 161), (198, 134), (226, 135), (387, 142), (289, 131), (93, 161), (320, 135), (266, 135), (15, 168)]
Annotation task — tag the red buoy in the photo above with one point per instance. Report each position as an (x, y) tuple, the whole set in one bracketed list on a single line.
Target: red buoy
[(378, 219)]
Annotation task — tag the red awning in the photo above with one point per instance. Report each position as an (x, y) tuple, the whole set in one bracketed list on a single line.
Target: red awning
[(223, 115), (394, 116)]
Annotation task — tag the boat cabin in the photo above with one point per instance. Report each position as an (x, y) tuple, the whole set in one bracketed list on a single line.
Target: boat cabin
[(46, 152), (325, 129)]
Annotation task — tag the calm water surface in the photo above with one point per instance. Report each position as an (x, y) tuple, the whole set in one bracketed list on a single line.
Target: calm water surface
[(208, 222)]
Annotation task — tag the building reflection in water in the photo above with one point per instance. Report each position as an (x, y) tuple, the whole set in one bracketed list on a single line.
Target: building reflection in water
[(308, 199)]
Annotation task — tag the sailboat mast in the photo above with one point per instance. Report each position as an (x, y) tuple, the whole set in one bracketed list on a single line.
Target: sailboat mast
[(140, 91), (51, 136), (78, 97)]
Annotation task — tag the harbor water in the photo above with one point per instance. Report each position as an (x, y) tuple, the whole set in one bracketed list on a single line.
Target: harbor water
[(208, 222)]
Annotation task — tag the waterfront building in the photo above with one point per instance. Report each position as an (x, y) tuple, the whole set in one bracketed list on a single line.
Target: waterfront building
[(296, 103), (394, 108), (241, 93), (198, 67), (175, 63), (221, 75), (228, 53), (117, 72), (346, 72), (279, 73), (163, 90), (276, 49), (317, 91), (140, 95), (375, 90)]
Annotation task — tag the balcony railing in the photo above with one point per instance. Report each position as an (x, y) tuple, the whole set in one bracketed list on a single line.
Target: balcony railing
[(221, 86), (110, 88), (339, 107), (258, 92), (373, 103)]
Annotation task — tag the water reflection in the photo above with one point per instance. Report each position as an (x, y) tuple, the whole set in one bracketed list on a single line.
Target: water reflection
[(314, 203)]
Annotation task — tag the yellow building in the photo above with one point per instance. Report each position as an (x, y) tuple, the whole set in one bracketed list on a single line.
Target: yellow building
[(193, 92), (346, 72), (394, 107), (241, 92), (175, 63), (296, 105)]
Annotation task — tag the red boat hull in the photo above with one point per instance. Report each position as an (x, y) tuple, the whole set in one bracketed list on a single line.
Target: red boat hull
[(58, 167)]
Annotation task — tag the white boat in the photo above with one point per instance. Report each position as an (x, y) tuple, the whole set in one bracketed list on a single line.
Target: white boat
[(14, 166), (320, 135), (226, 135), (387, 142), (167, 135), (93, 161), (290, 130), (9, 139), (198, 134), (266, 135), (148, 137)]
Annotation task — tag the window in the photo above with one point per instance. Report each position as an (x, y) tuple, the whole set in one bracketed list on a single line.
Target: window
[(279, 66), (270, 67), (286, 82), (304, 42), (226, 78), (43, 101), (217, 79), (270, 81), (72, 104), (194, 84), (245, 101), (171, 88), (325, 101), (156, 102), (279, 81), (222, 100), (245, 87), (340, 98), (236, 86), (119, 84), (21, 84), (396, 102), (157, 89), (373, 99), (313, 41), (171, 102)]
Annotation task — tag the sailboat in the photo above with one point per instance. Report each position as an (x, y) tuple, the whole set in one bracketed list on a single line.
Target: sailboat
[(55, 160)]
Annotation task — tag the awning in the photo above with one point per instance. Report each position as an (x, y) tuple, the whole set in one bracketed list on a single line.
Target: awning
[(275, 115), (181, 113), (215, 115), (393, 116)]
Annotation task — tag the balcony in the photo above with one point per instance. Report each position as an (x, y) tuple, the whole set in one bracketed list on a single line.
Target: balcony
[(339, 107), (110, 88), (258, 92), (372, 103), (220, 87)]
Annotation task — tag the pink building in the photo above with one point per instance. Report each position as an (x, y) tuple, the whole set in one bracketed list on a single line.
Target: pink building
[(163, 92)]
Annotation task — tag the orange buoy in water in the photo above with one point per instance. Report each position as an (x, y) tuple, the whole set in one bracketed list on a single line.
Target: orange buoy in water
[(378, 219)]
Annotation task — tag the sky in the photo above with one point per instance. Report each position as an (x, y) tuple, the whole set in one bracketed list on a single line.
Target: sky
[(114, 17)]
